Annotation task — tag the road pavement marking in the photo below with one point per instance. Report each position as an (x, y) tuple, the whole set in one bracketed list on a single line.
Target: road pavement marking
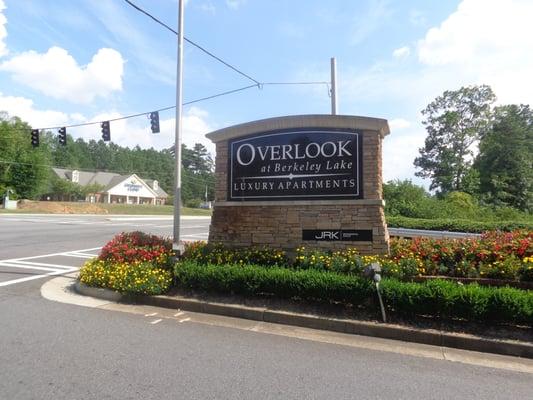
[(29, 263), (150, 315), (31, 278), (179, 313), (52, 254), (54, 269), (13, 265), (156, 321), (202, 235), (184, 320), (76, 255)]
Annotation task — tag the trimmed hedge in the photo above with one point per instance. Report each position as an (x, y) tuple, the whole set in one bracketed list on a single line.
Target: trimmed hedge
[(456, 225), (436, 298), (282, 282)]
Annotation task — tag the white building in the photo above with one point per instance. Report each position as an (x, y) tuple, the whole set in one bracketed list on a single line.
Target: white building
[(126, 189)]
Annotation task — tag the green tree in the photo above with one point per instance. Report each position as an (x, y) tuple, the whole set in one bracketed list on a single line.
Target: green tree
[(455, 121), (22, 168), (405, 198), (505, 159)]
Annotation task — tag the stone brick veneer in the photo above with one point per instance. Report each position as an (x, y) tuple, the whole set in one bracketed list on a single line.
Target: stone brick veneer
[(279, 224)]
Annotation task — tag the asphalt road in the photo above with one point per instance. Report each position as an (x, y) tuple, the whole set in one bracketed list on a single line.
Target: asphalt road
[(53, 350)]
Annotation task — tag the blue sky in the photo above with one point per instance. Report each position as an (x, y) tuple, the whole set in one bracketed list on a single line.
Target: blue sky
[(71, 61)]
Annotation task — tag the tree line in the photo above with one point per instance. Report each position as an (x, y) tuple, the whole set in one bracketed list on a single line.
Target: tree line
[(477, 148), (27, 172)]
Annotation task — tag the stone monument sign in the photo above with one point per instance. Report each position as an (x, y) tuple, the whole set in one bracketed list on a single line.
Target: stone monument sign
[(306, 180)]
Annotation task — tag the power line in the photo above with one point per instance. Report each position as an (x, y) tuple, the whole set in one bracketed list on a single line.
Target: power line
[(172, 107), (257, 83), (143, 113)]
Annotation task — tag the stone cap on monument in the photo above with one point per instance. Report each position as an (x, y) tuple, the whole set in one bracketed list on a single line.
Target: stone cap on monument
[(302, 121)]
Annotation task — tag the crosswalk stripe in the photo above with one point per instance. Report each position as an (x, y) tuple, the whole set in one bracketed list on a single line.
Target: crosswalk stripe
[(30, 263), (31, 278), (3, 264)]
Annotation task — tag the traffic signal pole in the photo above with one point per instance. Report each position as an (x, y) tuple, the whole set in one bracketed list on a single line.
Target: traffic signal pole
[(176, 245)]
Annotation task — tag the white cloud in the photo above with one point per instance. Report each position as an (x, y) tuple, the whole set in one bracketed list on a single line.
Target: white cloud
[(401, 52), (486, 42), (398, 123), (57, 74), (126, 132), (25, 110), (136, 131), (3, 30), (235, 4), (399, 151)]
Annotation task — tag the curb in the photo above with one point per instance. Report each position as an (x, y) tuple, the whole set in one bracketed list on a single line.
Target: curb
[(381, 330)]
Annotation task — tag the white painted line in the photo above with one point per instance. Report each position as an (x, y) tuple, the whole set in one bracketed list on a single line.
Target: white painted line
[(86, 256), (156, 321), (141, 218), (150, 315), (197, 235), (179, 313), (29, 263), (31, 278), (184, 320), (4, 264), (52, 254)]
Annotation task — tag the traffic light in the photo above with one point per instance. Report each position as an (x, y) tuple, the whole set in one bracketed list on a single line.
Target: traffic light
[(35, 137), (106, 131), (62, 136), (154, 121)]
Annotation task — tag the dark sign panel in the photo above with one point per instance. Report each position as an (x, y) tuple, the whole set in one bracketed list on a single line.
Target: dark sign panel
[(296, 164), (342, 235)]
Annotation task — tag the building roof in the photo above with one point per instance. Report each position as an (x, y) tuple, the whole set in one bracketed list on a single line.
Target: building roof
[(87, 178), (160, 192), (106, 179)]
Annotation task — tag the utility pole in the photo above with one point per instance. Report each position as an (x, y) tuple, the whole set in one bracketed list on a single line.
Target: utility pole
[(333, 86), (176, 245)]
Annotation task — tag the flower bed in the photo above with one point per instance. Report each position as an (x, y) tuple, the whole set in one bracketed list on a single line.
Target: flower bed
[(132, 278), (134, 263), (137, 246), (496, 255)]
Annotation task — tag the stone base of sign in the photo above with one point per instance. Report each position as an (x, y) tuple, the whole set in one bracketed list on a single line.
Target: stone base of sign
[(279, 223), (280, 226)]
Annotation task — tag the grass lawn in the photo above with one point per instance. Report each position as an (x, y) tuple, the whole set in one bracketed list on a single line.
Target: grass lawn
[(56, 207)]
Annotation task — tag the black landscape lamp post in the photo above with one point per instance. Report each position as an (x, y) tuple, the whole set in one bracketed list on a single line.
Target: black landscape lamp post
[(373, 271)]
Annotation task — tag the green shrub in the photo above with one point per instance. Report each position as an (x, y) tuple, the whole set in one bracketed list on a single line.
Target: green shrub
[(453, 300), (456, 225), (281, 282), (435, 298)]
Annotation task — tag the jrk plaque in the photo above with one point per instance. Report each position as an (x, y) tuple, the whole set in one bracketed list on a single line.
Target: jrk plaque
[(296, 164)]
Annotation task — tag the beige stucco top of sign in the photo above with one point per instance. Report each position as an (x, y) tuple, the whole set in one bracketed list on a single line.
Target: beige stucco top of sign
[(302, 121)]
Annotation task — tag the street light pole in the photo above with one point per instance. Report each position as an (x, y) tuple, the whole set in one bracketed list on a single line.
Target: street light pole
[(176, 245), (333, 86)]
